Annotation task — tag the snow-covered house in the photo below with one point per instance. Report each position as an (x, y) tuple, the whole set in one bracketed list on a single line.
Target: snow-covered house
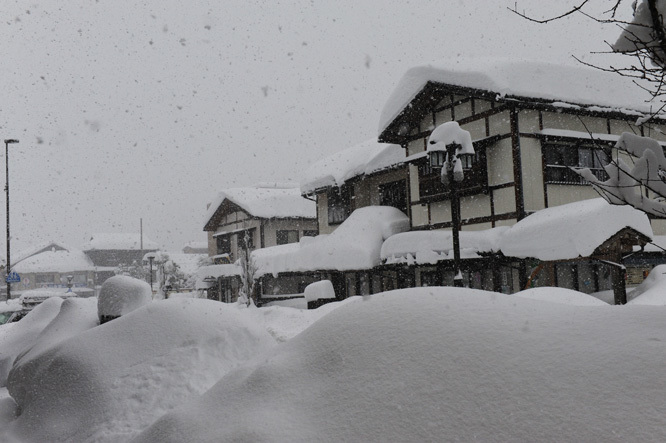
[(529, 122), (263, 215), (108, 251), (348, 257), (368, 174), (55, 266)]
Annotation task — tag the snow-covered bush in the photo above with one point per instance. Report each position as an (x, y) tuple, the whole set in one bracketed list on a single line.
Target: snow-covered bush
[(121, 295)]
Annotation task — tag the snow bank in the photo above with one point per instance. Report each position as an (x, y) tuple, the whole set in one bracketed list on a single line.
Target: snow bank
[(354, 245), (560, 295), (17, 338), (445, 364), (109, 382), (570, 231), (652, 291), (429, 247), (336, 169), (520, 78), (265, 202), (321, 290), (121, 295)]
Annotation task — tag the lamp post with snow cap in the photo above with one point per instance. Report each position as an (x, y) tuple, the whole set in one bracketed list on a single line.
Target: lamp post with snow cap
[(450, 149), (8, 141)]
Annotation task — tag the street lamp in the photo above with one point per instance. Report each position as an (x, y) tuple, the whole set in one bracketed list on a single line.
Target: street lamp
[(8, 141), (150, 256), (450, 149)]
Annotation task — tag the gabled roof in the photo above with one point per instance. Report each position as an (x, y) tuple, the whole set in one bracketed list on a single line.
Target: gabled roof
[(119, 241), (362, 159), (260, 201), (564, 86), (51, 246), (55, 260)]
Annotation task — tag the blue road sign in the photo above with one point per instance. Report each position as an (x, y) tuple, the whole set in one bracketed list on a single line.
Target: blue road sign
[(13, 277)]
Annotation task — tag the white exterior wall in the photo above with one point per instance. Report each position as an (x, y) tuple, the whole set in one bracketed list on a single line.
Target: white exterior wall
[(500, 123), (475, 206), (562, 194), (419, 215), (440, 212), (532, 171), (415, 146), (500, 163), (476, 128), (504, 200)]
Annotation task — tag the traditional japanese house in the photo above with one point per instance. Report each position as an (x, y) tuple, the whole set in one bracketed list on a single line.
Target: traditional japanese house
[(251, 218)]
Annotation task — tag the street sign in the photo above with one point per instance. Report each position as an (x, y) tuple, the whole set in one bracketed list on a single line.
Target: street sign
[(13, 277)]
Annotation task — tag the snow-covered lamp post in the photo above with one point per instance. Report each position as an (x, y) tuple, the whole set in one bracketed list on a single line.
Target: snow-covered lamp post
[(9, 262), (450, 149), (150, 257)]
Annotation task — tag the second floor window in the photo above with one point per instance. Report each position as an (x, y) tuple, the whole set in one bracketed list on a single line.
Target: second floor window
[(284, 237), (339, 204), (394, 194), (559, 157), (223, 244)]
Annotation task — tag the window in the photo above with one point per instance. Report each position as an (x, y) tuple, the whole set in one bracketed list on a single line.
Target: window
[(394, 194), (339, 204), (284, 237), (559, 157), (42, 279), (223, 244)]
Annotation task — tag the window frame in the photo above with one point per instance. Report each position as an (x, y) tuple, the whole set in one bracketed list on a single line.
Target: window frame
[(282, 236), (560, 155), (339, 203)]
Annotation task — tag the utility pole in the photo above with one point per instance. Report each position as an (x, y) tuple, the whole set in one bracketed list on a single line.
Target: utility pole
[(9, 263)]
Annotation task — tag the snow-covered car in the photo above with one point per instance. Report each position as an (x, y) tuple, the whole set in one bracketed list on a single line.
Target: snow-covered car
[(121, 295), (11, 311), (30, 299)]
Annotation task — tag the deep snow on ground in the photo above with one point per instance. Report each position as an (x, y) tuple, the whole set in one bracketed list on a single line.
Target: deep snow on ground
[(423, 364)]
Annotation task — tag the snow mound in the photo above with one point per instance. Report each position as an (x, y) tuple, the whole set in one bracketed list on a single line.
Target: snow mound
[(444, 364), (121, 295), (19, 337), (653, 289), (560, 295), (354, 245), (321, 290), (571, 231), (109, 382)]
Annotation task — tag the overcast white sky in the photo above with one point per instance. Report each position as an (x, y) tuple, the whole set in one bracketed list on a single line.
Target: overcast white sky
[(145, 109)]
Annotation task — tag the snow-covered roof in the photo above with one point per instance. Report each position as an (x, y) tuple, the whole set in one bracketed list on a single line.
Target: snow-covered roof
[(55, 261), (39, 248), (265, 202), (364, 158), (572, 230), (119, 241), (429, 247), (354, 245), (563, 85)]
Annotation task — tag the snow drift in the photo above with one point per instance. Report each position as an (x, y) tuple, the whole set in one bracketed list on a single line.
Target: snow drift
[(445, 364), (109, 382)]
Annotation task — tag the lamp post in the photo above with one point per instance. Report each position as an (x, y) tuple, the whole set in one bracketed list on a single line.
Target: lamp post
[(450, 149), (150, 256), (8, 141)]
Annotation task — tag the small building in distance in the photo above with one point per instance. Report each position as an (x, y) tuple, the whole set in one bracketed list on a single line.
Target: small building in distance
[(55, 266), (196, 247), (108, 251), (259, 216)]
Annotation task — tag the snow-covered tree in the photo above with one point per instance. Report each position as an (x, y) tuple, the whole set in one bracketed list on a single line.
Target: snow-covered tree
[(643, 39), (638, 170), (248, 273), (169, 274)]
